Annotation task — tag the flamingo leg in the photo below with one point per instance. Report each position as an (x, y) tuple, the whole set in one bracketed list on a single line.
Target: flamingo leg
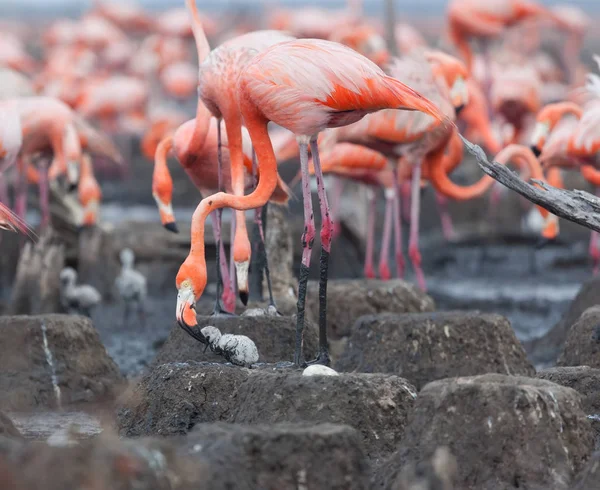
[(371, 217), (326, 236), (308, 238), (224, 290), (260, 215), (21, 191), (398, 226), (384, 268), (232, 274), (336, 201), (413, 241), (405, 190), (447, 226), (44, 192), (221, 258)]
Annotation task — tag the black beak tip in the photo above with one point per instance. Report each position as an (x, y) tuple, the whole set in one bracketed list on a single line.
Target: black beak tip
[(71, 187), (459, 109), (172, 227), (244, 297), (536, 151)]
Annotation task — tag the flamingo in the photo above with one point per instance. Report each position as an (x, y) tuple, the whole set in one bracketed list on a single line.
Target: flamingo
[(89, 193), (415, 137), (473, 19), (362, 164), (201, 165), (555, 136), (9, 221), (304, 86), (219, 71)]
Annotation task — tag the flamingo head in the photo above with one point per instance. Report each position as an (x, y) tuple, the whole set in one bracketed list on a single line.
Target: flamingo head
[(539, 136), (162, 191), (190, 282), (455, 74)]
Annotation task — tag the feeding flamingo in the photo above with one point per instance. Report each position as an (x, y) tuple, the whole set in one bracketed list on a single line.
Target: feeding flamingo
[(305, 86), (218, 74), (201, 165)]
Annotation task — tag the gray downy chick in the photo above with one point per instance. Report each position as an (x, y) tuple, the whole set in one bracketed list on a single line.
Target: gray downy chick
[(237, 349), (77, 299)]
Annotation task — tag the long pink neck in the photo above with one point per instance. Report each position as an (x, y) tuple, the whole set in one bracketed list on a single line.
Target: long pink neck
[(201, 128), (257, 127), (202, 45), (442, 183)]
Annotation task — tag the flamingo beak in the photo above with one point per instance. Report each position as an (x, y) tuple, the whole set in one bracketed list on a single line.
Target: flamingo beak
[(72, 174), (241, 269), (167, 217), (172, 227), (538, 137), (186, 314), (459, 94)]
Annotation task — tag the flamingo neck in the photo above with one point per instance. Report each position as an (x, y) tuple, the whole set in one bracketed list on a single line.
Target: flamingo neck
[(455, 153), (233, 127), (201, 128), (438, 175), (257, 127), (590, 174), (564, 108), (202, 45), (525, 158), (162, 183), (462, 44)]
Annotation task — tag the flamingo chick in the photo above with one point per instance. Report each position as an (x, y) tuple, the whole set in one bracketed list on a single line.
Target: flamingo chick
[(237, 349), (131, 285), (77, 299)]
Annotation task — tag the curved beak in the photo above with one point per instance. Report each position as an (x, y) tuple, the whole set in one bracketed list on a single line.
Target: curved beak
[(186, 315), (536, 151), (167, 216), (459, 109), (241, 269)]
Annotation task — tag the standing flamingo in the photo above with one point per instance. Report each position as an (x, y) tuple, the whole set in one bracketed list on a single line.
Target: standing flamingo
[(556, 135), (201, 165), (414, 137), (218, 74), (305, 86)]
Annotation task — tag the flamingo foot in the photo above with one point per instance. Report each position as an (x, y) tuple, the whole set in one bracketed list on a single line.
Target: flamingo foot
[(322, 359), (369, 271), (384, 272)]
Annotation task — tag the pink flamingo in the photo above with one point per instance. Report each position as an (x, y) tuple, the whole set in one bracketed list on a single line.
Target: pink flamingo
[(305, 86), (218, 74), (201, 165)]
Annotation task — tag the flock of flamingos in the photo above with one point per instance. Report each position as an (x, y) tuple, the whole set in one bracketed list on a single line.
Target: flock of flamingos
[(384, 109)]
